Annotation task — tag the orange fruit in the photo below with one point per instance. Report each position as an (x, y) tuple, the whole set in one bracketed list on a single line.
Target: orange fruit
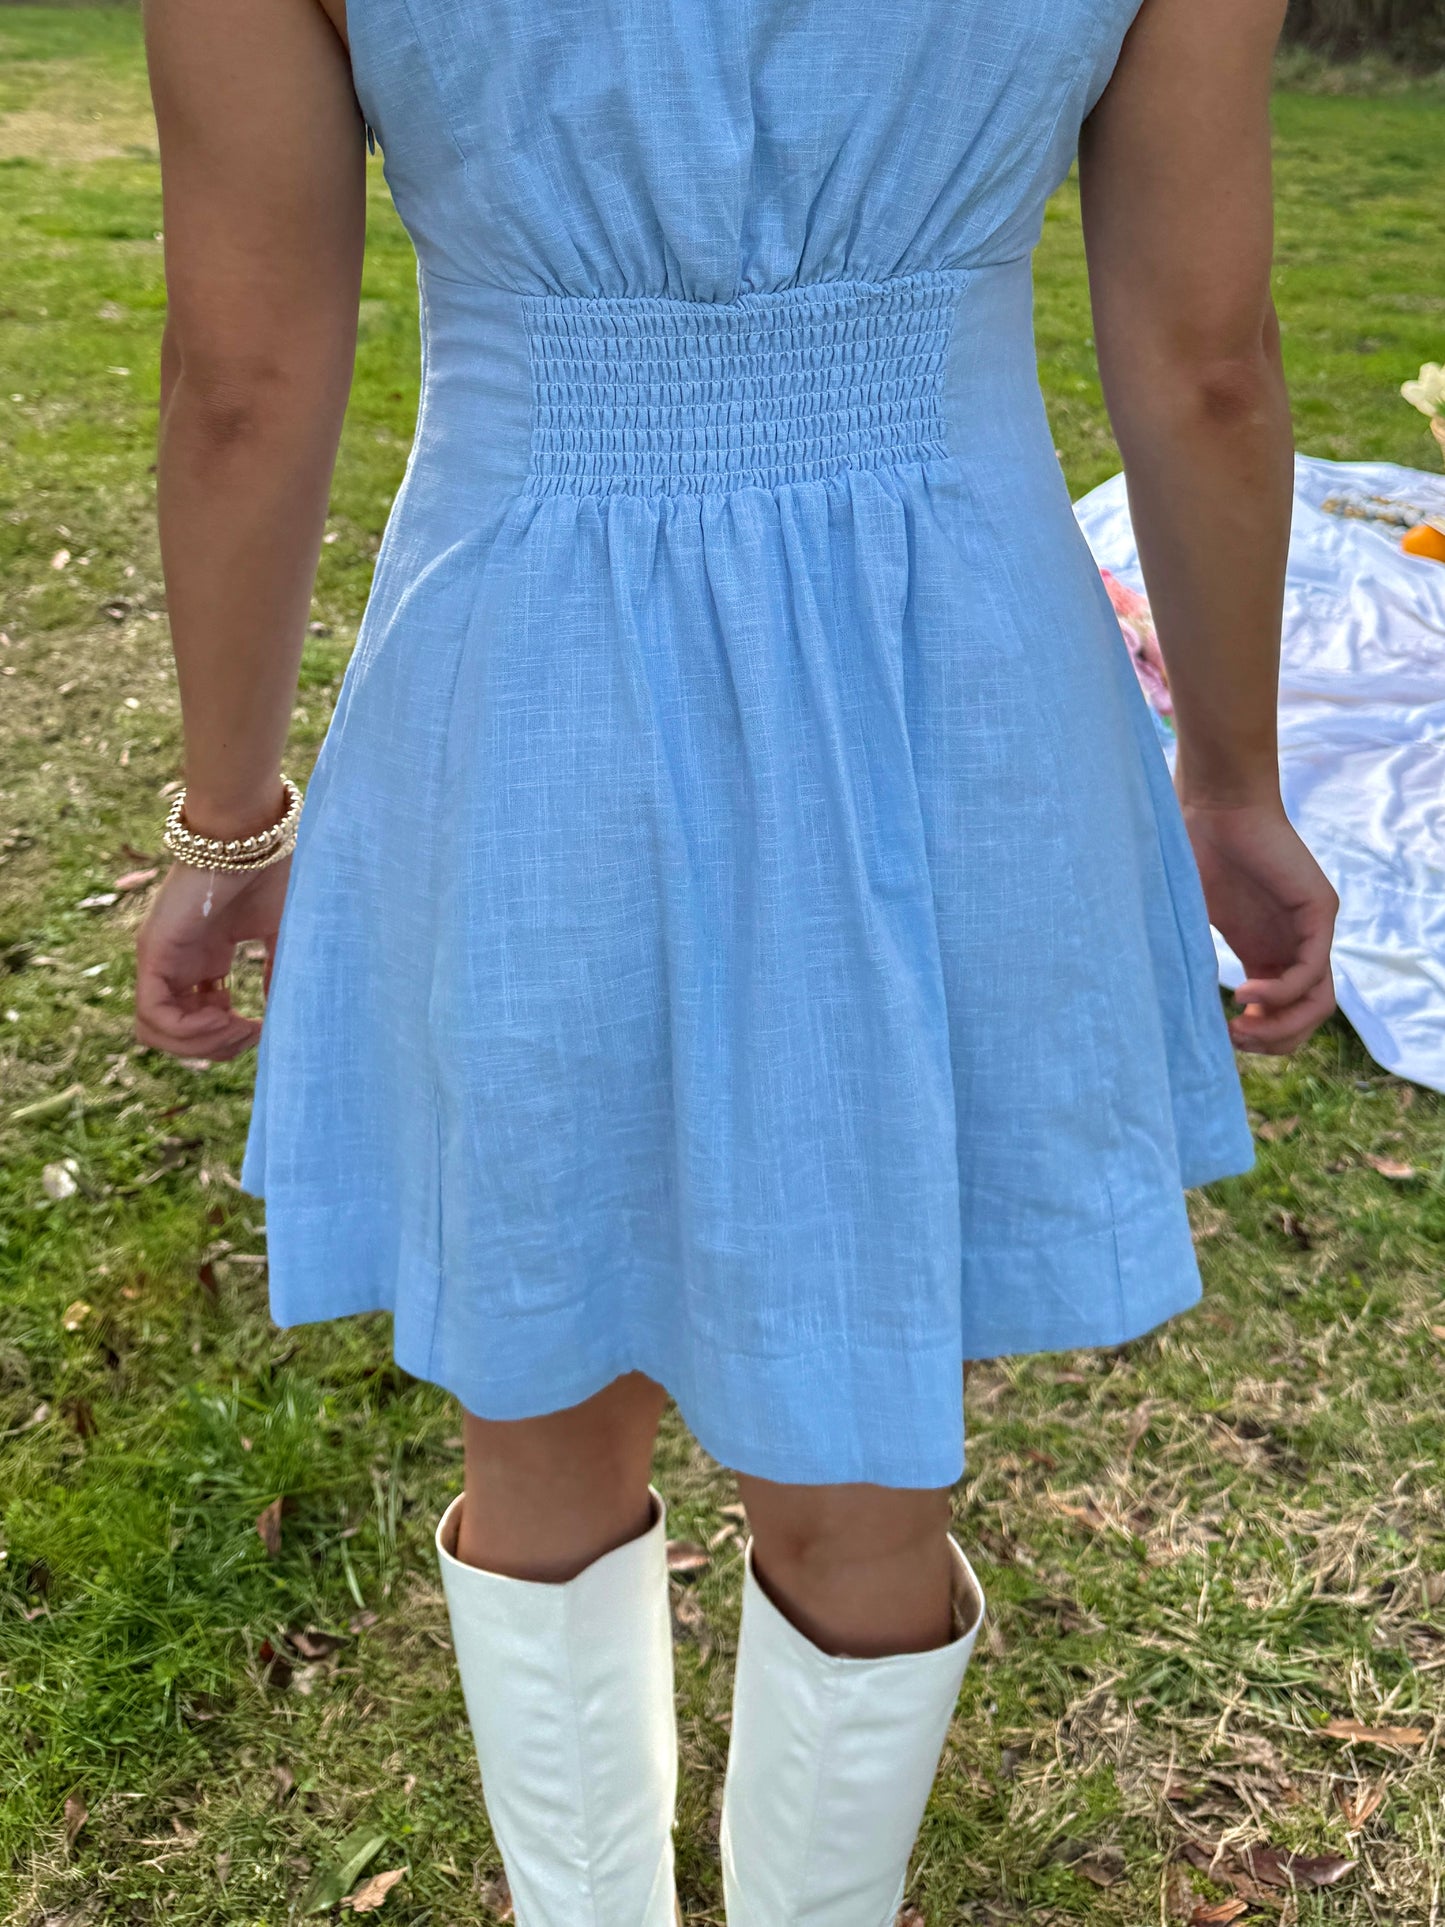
[(1425, 539)]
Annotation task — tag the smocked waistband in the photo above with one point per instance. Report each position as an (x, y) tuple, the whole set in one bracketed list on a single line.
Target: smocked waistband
[(648, 395), (595, 395)]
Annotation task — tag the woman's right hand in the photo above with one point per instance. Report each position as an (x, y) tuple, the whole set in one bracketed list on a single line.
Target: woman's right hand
[(184, 952), (1275, 907)]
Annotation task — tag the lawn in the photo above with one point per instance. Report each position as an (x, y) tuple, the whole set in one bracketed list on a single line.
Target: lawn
[(1216, 1557)]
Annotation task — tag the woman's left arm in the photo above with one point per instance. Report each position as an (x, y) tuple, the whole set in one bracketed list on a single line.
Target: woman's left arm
[(263, 181)]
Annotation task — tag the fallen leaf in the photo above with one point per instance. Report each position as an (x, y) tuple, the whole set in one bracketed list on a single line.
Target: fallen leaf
[(685, 1557), (1359, 1804), (134, 880), (60, 1180), (361, 1622), (910, 1917), (102, 900), (1273, 1867), (497, 1898), (1215, 1863), (81, 1414), (285, 1781), (1295, 1228), (1210, 1912), (75, 1818), (314, 1645), (1390, 1168), (1102, 1869), (372, 1893), (278, 1668), (1432, 1584), (60, 559), (336, 1879), (1373, 1735), (1086, 1515), (75, 1315), (1275, 1129), (1180, 1898), (206, 1278), (268, 1524)]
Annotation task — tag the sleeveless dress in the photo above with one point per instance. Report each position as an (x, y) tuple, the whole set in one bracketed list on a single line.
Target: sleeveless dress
[(684, 965)]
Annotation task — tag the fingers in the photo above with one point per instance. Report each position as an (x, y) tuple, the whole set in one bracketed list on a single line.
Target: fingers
[(1310, 967), (1276, 1033), (190, 1022)]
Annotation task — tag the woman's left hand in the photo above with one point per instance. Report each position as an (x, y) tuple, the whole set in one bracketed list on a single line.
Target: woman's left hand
[(184, 952)]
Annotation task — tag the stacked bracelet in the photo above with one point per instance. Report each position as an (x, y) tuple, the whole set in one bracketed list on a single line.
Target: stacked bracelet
[(237, 852)]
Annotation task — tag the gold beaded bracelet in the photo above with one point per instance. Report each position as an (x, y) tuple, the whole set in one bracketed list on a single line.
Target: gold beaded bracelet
[(236, 852)]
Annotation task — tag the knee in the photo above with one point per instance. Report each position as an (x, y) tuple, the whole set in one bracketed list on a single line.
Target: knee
[(815, 1533)]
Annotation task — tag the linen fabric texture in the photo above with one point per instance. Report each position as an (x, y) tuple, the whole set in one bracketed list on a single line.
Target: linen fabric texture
[(690, 956)]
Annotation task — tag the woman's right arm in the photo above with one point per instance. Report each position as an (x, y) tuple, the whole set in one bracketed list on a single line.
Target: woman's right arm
[(1174, 169)]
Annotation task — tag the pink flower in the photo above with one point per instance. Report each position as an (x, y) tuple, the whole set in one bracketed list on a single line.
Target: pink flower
[(1137, 623)]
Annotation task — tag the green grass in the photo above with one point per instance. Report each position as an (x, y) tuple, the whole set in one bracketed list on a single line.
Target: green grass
[(1198, 1549)]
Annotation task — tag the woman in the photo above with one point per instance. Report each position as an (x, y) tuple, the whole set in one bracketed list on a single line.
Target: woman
[(684, 985)]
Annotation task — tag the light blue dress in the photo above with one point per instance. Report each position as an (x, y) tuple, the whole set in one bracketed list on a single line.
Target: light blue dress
[(685, 965)]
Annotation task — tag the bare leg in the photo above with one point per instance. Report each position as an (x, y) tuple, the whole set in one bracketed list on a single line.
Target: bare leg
[(863, 1570), (554, 1562), (547, 1496)]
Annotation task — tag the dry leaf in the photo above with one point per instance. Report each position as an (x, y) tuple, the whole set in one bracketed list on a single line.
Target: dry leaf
[(268, 1524), (685, 1557), (361, 1621), (1180, 1899), (1276, 1128), (278, 1667), (74, 1316), (134, 880), (1273, 1867), (910, 1917), (1359, 1804), (1294, 1227), (60, 559), (372, 1893), (497, 1898), (1104, 1868), (1086, 1515), (1210, 1912), (1373, 1735), (75, 1818), (312, 1644), (81, 1414), (1390, 1168)]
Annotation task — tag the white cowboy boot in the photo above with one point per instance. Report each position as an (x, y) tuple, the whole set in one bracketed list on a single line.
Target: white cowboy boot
[(570, 1697), (830, 1766)]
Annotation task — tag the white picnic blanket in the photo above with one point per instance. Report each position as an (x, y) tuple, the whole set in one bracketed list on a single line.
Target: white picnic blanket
[(1362, 742)]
